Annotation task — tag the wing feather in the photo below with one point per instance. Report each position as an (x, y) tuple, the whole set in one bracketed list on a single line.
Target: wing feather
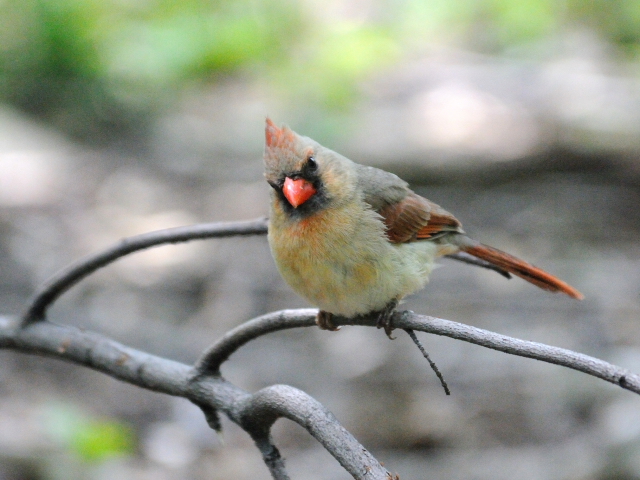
[(407, 216), (416, 218)]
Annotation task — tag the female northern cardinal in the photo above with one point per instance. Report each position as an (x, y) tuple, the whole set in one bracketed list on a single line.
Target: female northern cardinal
[(354, 240)]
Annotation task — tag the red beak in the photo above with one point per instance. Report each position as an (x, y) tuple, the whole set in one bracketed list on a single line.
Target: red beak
[(297, 191)]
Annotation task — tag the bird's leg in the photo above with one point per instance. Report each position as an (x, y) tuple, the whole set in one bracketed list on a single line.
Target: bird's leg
[(325, 322), (384, 318)]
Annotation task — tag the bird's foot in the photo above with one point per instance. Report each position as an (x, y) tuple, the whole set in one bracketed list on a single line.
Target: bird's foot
[(324, 320), (385, 318)]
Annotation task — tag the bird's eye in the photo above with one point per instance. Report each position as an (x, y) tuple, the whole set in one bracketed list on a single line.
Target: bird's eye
[(312, 164)]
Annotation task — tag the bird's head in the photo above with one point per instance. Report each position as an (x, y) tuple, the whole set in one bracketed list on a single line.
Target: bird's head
[(305, 176)]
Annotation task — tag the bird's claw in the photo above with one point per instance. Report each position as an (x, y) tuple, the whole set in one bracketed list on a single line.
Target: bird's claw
[(385, 318), (324, 320)]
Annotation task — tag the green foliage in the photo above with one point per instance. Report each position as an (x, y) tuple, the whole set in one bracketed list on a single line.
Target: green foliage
[(91, 65), (95, 64), (326, 73), (164, 44), (618, 20), (102, 439), (486, 24), (88, 438), (522, 21)]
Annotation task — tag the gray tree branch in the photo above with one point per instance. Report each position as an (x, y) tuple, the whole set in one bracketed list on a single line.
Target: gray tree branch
[(255, 413), (63, 280), (285, 319), (67, 277), (203, 384)]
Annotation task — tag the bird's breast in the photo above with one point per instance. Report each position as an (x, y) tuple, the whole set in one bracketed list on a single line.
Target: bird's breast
[(331, 257), (340, 259)]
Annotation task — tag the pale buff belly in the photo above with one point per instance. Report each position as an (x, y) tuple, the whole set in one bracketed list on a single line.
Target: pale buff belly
[(349, 271)]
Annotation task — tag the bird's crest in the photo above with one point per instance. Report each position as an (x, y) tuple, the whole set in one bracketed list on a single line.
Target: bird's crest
[(278, 137)]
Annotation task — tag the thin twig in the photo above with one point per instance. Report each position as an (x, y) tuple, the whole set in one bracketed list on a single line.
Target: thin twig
[(514, 346), (173, 378), (212, 417), (60, 282), (271, 457), (305, 317), (64, 279), (202, 383), (434, 367), (255, 413), (218, 353)]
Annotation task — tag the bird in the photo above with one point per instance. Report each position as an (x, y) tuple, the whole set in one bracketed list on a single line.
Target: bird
[(355, 240)]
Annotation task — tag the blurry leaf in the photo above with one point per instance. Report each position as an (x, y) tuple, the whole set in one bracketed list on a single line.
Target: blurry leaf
[(91, 66), (97, 440), (523, 20), (90, 439), (328, 72), (618, 20), (196, 43)]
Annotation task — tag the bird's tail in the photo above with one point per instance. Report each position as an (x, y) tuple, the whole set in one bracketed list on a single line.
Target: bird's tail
[(522, 269)]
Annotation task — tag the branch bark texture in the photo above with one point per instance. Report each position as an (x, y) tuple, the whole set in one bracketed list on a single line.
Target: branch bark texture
[(202, 382), (255, 413), (63, 280)]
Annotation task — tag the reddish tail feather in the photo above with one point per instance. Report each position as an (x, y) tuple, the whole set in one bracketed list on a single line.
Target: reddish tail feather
[(522, 269)]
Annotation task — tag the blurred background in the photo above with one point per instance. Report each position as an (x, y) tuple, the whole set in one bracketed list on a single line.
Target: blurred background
[(118, 117)]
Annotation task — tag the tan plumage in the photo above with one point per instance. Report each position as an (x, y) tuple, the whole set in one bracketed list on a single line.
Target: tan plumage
[(353, 239)]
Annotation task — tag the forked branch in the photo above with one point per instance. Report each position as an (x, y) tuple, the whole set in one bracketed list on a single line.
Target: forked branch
[(203, 384), (255, 413)]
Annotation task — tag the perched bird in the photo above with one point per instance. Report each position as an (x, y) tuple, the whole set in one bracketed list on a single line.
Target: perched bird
[(353, 239)]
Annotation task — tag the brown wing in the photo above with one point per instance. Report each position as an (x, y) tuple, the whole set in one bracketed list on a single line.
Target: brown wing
[(416, 218), (407, 216)]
